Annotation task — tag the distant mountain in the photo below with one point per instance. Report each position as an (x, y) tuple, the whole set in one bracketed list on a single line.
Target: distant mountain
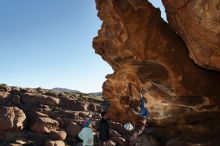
[(95, 94), (65, 90)]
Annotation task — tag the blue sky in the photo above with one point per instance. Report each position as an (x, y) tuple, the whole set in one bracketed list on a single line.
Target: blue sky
[(48, 43)]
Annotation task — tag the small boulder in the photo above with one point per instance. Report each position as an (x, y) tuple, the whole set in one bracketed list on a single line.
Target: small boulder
[(84, 114), (4, 88), (73, 129), (4, 98), (92, 107), (15, 99), (43, 124), (96, 116), (3, 95), (58, 135), (54, 143), (111, 143), (11, 119), (73, 104)]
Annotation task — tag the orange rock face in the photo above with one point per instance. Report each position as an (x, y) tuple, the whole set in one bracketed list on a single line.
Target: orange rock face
[(198, 24), (144, 51)]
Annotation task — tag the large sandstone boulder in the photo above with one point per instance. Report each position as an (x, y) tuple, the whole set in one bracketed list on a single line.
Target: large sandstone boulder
[(200, 29), (144, 51), (11, 119), (35, 99), (43, 124)]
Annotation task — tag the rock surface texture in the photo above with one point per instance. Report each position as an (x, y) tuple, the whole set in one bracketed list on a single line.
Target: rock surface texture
[(176, 64), (145, 52), (198, 24), (11, 119)]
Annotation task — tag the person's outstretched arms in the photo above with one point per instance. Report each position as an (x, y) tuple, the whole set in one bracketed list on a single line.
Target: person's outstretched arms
[(142, 103), (141, 130)]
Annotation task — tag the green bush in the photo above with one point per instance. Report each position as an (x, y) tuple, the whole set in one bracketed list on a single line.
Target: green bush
[(3, 85)]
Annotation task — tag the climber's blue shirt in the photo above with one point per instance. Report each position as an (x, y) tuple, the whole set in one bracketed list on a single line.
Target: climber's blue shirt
[(144, 111)]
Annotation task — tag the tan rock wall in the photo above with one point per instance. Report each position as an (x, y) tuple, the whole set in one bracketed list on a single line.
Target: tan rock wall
[(143, 50)]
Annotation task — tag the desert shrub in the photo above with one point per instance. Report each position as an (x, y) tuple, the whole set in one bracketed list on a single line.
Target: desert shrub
[(3, 85)]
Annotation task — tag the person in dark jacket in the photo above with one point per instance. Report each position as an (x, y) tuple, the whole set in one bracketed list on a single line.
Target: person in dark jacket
[(103, 129)]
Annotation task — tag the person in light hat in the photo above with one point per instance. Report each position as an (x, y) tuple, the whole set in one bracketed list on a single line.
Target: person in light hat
[(86, 134), (128, 126), (132, 135)]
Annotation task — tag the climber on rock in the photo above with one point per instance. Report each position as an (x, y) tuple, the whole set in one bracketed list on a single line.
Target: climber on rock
[(139, 110), (143, 111)]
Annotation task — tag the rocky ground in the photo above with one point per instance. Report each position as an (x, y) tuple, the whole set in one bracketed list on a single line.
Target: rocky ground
[(42, 117)]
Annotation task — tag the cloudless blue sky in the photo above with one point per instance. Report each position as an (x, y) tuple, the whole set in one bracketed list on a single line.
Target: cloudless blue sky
[(48, 43)]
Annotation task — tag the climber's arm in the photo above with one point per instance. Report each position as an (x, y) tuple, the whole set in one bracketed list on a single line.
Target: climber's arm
[(141, 130)]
